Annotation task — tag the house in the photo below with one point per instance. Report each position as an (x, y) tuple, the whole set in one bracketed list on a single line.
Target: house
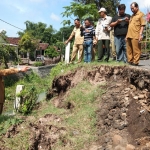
[(41, 48)]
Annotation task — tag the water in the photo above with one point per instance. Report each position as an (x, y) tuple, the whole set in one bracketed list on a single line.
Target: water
[(41, 97)]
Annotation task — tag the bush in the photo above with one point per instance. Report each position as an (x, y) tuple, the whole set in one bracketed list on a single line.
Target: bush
[(28, 100), (51, 52), (38, 63)]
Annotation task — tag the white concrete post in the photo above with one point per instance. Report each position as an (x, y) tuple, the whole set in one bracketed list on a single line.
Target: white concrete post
[(67, 53), (17, 102)]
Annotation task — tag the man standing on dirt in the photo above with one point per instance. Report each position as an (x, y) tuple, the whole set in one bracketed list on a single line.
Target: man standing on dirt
[(2, 90), (135, 35), (78, 43), (103, 34), (120, 23)]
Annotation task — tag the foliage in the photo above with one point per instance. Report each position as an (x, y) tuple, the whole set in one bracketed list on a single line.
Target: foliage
[(51, 52), (27, 44), (110, 5), (80, 11), (39, 31), (28, 100), (7, 53), (38, 63)]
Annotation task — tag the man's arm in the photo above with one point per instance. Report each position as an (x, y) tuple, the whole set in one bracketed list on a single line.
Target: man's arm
[(5, 72), (70, 37), (141, 33)]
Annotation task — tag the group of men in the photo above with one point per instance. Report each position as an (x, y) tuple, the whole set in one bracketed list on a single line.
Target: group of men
[(128, 33)]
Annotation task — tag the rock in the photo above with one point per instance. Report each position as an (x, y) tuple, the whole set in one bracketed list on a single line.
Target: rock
[(148, 145), (127, 89), (117, 140), (136, 97), (123, 116), (132, 87), (126, 98), (130, 147), (110, 117), (141, 96), (119, 148)]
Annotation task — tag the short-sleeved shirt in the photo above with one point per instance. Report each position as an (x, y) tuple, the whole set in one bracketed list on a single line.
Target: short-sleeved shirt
[(136, 21), (77, 33), (99, 32), (122, 27)]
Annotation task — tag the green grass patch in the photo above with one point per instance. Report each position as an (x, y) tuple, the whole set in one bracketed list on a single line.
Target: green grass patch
[(81, 122)]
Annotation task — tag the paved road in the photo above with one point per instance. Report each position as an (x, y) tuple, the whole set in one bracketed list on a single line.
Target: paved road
[(145, 64)]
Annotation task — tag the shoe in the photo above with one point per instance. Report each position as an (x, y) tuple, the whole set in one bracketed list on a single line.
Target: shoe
[(106, 59), (134, 64), (99, 60), (130, 63)]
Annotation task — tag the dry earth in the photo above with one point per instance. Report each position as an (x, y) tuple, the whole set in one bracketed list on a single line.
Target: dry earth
[(123, 115)]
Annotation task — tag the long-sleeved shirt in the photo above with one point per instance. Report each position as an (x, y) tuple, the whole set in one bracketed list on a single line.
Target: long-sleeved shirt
[(88, 35), (101, 24)]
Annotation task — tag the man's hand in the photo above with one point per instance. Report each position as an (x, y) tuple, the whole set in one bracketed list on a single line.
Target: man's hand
[(66, 42), (140, 37), (127, 19), (24, 69)]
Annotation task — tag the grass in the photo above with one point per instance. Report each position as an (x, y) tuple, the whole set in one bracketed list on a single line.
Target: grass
[(79, 122)]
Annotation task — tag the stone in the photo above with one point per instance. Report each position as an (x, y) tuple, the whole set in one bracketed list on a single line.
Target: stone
[(127, 89), (148, 145), (123, 116), (117, 140), (136, 97), (130, 147), (132, 87), (126, 98), (119, 148), (141, 96)]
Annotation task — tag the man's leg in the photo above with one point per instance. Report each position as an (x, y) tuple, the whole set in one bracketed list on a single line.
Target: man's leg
[(124, 49), (80, 47), (129, 51), (136, 51), (118, 44), (74, 53), (1, 107), (107, 46), (100, 50), (89, 52)]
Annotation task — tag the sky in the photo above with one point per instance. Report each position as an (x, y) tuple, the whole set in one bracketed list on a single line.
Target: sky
[(16, 12)]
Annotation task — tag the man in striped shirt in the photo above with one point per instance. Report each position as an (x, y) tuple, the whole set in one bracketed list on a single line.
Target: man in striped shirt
[(89, 33)]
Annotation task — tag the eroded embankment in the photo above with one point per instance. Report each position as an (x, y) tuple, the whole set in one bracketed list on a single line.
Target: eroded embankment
[(123, 117)]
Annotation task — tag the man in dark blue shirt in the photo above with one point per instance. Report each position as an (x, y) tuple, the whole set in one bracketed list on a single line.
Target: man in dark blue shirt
[(120, 23), (89, 33)]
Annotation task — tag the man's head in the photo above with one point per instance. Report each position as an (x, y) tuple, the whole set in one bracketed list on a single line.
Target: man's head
[(77, 23), (102, 12), (134, 7), (87, 22), (121, 9)]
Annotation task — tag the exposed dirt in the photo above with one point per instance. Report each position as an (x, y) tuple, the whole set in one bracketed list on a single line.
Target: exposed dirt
[(123, 115)]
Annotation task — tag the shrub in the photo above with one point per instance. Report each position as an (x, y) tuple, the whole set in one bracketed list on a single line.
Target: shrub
[(38, 63), (51, 52)]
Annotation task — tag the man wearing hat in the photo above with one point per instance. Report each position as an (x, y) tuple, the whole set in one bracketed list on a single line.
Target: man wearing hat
[(103, 34)]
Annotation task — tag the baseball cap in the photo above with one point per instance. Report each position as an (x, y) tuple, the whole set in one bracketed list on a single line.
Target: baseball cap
[(102, 9)]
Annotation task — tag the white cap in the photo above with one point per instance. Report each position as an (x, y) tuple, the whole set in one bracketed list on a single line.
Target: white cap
[(102, 9)]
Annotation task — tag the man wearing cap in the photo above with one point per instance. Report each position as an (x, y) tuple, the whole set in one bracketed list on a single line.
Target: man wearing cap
[(135, 35), (103, 34), (78, 43), (120, 23)]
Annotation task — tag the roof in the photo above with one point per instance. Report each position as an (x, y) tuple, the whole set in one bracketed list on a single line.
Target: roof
[(13, 40), (43, 46)]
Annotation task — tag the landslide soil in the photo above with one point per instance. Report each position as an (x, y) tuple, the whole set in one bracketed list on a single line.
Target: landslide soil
[(123, 114)]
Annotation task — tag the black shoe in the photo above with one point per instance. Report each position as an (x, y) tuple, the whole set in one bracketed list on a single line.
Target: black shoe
[(106, 59), (99, 60), (134, 64)]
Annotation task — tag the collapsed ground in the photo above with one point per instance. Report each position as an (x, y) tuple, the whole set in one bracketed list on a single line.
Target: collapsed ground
[(101, 108)]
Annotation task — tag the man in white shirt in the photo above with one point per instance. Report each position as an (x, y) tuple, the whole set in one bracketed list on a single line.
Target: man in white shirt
[(103, 35)]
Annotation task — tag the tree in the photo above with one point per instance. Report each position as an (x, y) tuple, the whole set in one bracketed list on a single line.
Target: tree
[(80, 11), (27, 44), (39, 31), (110, 5), (7, 53)]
